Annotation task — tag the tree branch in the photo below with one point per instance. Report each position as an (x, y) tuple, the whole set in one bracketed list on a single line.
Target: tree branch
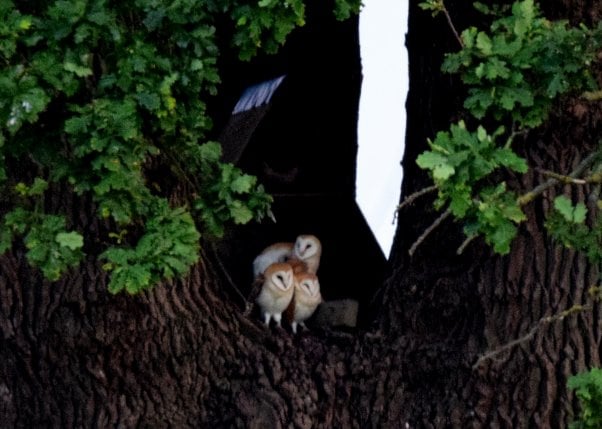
[(410, 198), (427, 231), (452, 26), (567, 180), (592, 95), (225, 273), (540, 189), (594, 292), (465, 244)]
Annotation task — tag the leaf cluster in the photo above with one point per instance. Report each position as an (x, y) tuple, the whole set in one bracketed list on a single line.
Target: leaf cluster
[(522, 64), (566, 224), (458, 161), (265, 24), (514, 72), (588, 388), (167, 248), (94, 92), (230, 198), (50, 246)]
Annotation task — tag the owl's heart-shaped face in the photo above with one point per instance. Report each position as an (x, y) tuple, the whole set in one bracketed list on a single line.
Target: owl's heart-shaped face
[(307, 285), (307, 246), (310, 287), (280, 276)]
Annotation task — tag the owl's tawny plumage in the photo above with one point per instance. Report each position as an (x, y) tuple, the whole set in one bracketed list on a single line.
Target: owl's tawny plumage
[(306, 299), (276, 292), (276, 253), (304, 254)]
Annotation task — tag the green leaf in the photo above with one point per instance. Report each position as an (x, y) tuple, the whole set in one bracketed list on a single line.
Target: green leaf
[(461, 200), (6, 239), (573, 214), (79, 71), (210, 152), (484, 43), (77, 125), (509, 159), (149, 100), (243, 184), (524, 11), (154, 19), (579, 213), (509, 97), (240, 213), (437, 163), (38, 187), (502, 237), (73, 240), (588, 387)]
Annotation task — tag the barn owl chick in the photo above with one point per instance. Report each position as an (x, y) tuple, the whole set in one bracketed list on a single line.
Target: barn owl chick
[(276, 292), (305, 300), (276, 253), (308, 250), (304, 254)]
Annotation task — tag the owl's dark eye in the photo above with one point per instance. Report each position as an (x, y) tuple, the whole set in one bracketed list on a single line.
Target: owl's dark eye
[(280, 277)]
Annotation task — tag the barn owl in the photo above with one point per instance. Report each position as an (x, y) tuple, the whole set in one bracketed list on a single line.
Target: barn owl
[(276, 292), (308, 249), (276, 253), (304, 254), (305, 300)]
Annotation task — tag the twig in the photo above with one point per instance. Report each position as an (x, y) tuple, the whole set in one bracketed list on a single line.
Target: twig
[(515, 133), (568, 180), (592, 95), (452, 26), (427, 231), (465, 244), (540, 189), (507, 346), (594, 178), (410, 198), (575, 309), (228, 278)]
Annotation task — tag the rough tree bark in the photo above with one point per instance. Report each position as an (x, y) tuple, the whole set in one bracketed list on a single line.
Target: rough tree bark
[(467, 308), (184, 355)]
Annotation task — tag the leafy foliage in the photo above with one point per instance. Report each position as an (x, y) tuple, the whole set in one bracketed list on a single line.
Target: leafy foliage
[(435, 6), (49, 246), (566, 224), (458, 161), (588, 388), (514, 72), (167, 248), (230, 198), (522, 64), (266, 23), (94, 92)]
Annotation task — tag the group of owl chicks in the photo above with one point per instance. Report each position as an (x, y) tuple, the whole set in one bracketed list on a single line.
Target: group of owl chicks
[(289, 285)]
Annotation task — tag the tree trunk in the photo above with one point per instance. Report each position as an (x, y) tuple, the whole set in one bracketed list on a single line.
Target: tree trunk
[(185, 355), (498, 361)]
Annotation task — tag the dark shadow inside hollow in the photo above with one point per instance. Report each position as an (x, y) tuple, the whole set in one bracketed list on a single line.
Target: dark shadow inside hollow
[(295, 128)]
